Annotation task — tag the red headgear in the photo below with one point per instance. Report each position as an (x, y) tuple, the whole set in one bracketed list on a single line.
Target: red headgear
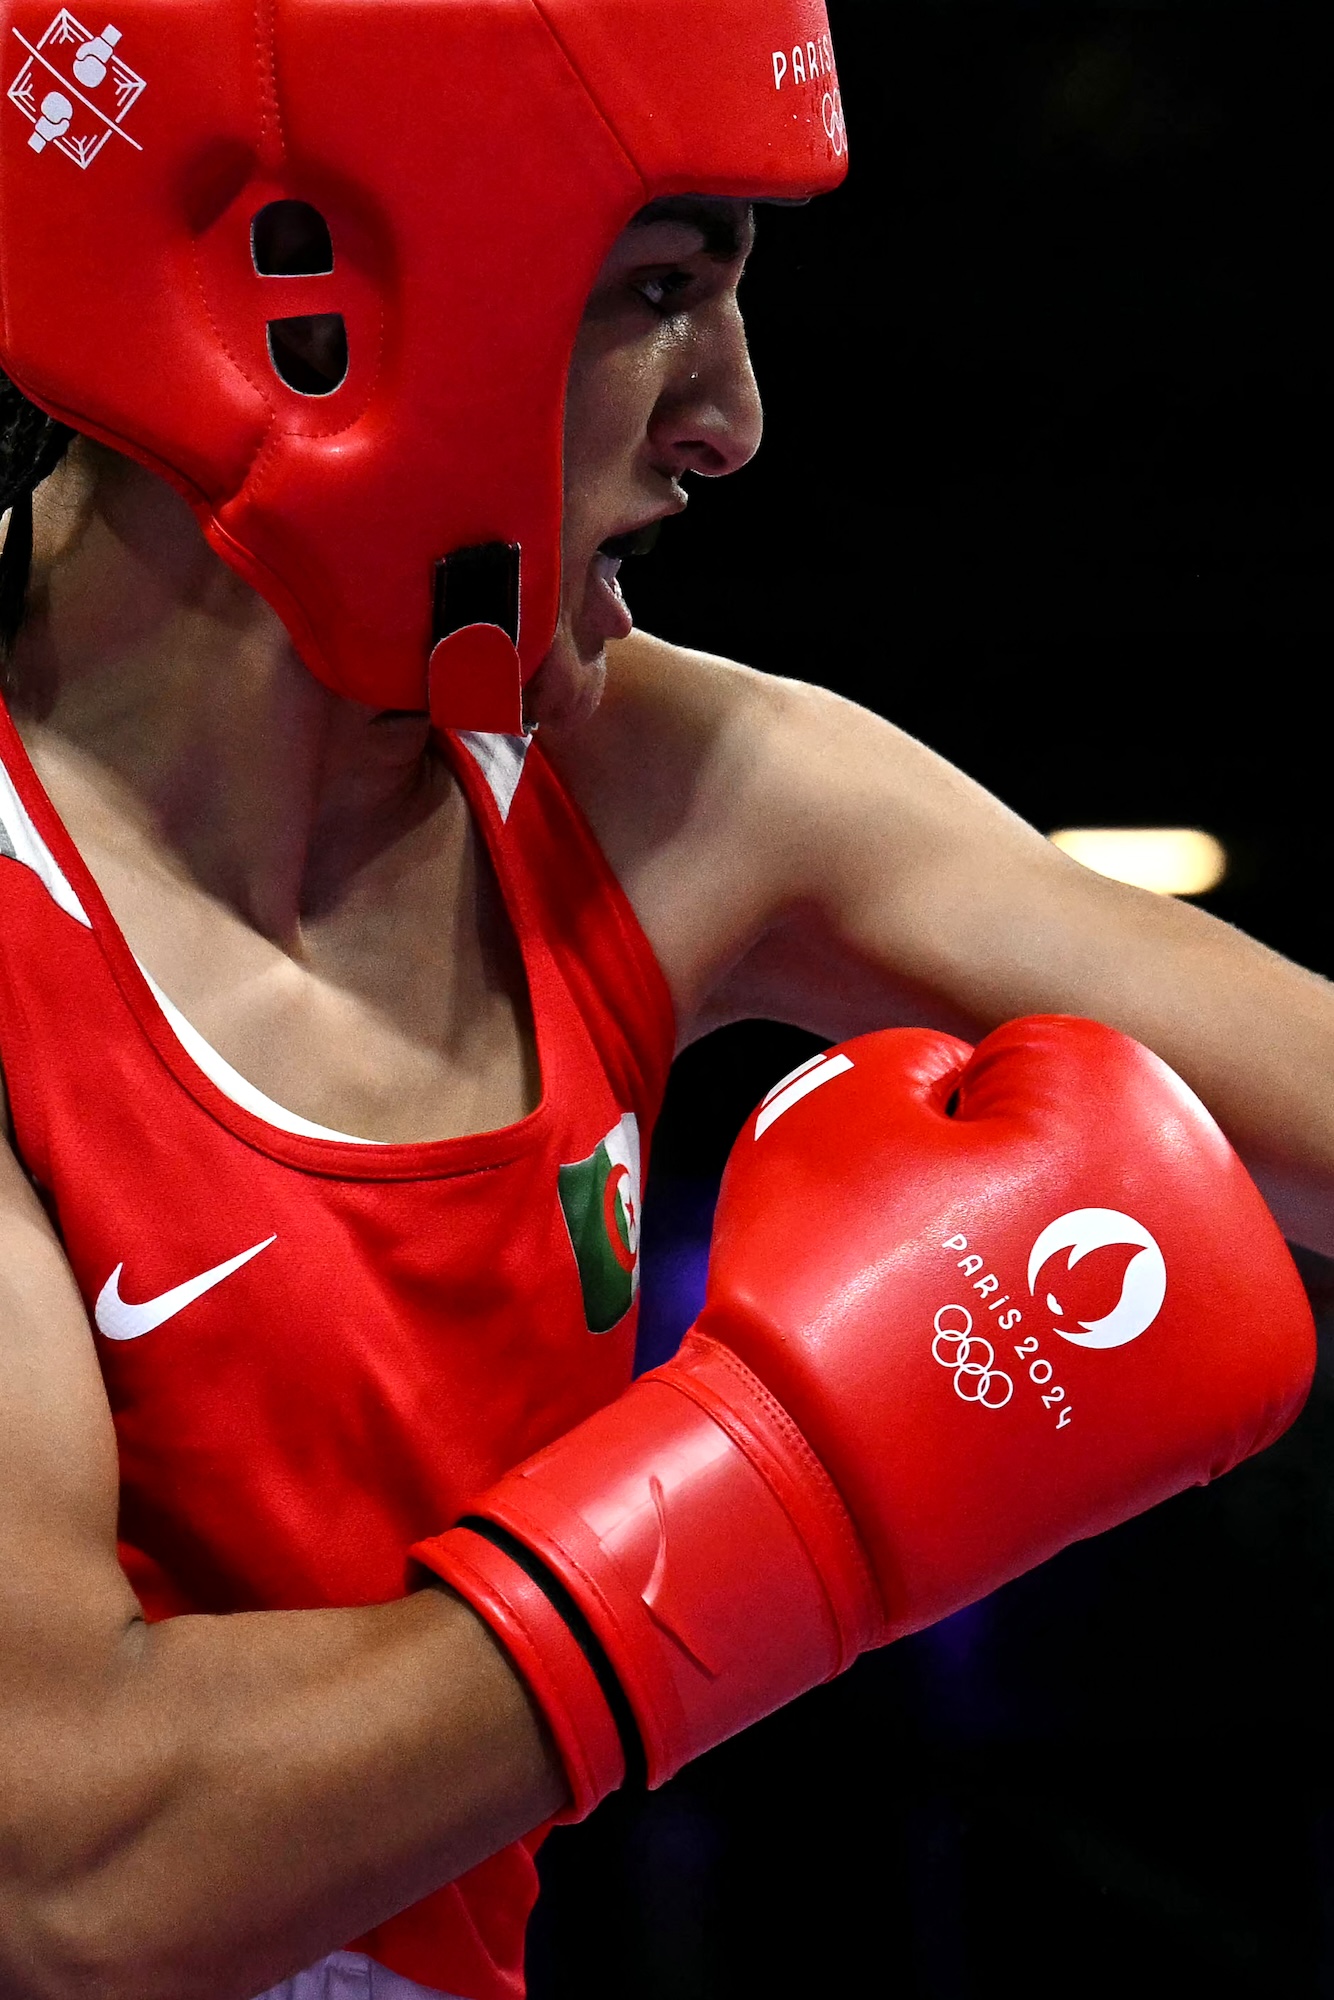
[(473, 161)]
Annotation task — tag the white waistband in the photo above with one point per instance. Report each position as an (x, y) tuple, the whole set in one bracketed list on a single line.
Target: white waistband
[(350, 1975)]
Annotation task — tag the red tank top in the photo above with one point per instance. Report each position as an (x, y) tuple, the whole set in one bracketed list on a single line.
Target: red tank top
[(384, 1329)]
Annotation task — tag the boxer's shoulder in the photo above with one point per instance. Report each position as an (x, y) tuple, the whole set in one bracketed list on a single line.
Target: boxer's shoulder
[(685, 750), (685, 743), (672, 772), (723, 796)]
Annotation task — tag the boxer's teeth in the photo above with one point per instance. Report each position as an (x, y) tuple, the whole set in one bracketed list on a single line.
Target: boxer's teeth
[(636, 542)]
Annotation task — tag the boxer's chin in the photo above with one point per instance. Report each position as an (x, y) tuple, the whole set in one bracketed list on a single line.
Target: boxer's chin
[(568, 685)]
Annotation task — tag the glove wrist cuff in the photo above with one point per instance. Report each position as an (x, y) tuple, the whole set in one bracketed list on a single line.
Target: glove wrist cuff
[(549, 1657), (705, 1546)]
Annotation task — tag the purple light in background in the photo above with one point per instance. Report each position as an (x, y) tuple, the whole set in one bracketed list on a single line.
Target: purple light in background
[(674, 1263), (957, 1666)]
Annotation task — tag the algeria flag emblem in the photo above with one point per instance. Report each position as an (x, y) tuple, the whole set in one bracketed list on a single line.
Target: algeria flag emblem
[(599, 1197)]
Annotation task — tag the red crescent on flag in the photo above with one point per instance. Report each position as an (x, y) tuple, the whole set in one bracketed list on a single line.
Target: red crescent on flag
[(624, 1256)]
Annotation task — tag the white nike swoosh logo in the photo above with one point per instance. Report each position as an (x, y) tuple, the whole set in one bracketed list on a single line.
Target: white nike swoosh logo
[(120, 1321)]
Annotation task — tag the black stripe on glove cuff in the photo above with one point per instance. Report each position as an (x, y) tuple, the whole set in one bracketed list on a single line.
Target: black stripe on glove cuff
[(568, 1609)]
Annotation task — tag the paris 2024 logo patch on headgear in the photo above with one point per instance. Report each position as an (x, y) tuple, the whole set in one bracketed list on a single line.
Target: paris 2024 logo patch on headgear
[(599, 1198)]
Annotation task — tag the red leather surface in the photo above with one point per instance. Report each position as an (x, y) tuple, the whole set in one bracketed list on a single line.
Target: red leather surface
[(546, 1654), (836, 1247), (677, 1545), (474, 681)]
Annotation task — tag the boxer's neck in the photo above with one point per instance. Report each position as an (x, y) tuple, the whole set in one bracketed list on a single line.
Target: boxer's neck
[(151, 675)]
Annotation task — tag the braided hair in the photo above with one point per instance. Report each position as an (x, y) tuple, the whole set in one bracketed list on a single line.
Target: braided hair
[(31, 445)]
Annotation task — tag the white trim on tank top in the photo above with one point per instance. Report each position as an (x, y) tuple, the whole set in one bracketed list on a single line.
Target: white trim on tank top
[(501, 761), (231, 1082)]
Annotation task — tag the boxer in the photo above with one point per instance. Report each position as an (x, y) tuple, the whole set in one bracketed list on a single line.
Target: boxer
[(337, 1005)]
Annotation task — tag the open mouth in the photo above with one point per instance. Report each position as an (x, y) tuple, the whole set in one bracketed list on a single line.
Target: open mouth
[(605, 607), (637, 542)]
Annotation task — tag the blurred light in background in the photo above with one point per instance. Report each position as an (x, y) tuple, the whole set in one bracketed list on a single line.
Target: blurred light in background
[(1170, 860)]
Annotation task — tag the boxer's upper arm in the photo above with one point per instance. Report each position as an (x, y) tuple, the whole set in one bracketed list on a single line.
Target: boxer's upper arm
[(896, 887), (65, 1605), (58, 1473), (900, 890), (793, 856), (791, 853)]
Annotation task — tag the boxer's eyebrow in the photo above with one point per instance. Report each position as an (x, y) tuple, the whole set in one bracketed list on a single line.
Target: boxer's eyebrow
[(726, 226)]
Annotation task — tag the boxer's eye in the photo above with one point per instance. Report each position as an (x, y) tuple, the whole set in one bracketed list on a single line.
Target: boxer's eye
[(665, 291)]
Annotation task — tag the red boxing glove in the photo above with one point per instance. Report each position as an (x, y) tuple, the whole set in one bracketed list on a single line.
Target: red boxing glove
[(964, 1307)]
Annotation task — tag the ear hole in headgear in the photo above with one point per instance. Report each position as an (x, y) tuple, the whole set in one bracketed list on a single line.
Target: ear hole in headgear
[(309, 352), (290, 239)]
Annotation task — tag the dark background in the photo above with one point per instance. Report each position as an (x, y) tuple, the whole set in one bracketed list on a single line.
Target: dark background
[(1047, 482)]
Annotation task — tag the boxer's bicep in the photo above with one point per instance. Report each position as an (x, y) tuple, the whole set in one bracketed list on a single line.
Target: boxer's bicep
[(66, 1610), (58, 1473)]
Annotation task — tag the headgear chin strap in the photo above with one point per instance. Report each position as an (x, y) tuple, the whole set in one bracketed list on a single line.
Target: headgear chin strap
[(469, 164)]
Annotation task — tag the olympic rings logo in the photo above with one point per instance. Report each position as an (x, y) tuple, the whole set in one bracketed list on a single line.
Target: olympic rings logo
[(975, 1380), (835, 126)]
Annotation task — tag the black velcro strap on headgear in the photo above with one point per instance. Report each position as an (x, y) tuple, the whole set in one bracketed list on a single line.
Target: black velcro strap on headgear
[(477, 586)]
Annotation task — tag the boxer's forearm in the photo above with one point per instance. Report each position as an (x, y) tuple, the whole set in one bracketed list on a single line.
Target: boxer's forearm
[(233, 1797)]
